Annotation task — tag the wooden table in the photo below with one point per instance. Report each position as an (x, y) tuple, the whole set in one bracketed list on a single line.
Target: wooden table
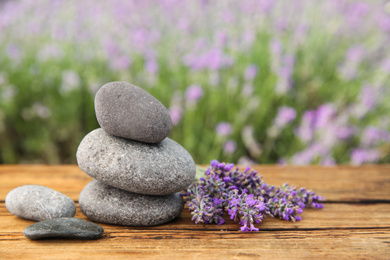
[(355, 221)]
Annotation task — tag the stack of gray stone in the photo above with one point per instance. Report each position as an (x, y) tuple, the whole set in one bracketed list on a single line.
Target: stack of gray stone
[(138, 171)]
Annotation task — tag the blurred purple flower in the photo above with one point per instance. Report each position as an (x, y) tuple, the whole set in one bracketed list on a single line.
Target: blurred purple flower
[(315, 150), (355, 53), (265, 6), (353, 58), (276, 47), (328, 161), (223, 129), (368, 99), (176, 114), (383, 21), (344, 132), (14, 53), (250, 72), (285, 115), (356, 13), (193, 93), (360, 156), (285, 73), (229, 147), (306, 130), (212, 59), (220, 38), (119, 63), (151, 65), (324, 115), (386, 65), (373, 136)]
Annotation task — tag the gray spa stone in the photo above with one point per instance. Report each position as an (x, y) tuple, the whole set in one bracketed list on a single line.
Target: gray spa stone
[(154, 169), (128, 111), (39, 203), (103, 203), (64, 228)]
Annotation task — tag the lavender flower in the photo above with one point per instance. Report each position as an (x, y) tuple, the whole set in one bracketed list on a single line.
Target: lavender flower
[(205, 209), (194, 93), (176, 114), (360, 156), (250, 72), (285, 115), (372, 136), (246, 209), (245, 197), (229, 147), (223, 129)]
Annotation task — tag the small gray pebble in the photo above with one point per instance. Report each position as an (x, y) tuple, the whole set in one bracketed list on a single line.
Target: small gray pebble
[(128, 111), (36, 202), (106, 204), (154, 169), (64, 228)]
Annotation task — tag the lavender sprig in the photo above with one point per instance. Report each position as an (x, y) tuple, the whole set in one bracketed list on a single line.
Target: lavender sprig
[(205, 209), (245, 196), (246, 209)]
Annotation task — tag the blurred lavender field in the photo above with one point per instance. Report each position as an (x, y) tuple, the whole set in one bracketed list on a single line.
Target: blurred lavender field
[(262, 81)]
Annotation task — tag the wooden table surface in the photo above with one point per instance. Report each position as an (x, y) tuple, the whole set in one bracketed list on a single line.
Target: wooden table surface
[(355, 222)]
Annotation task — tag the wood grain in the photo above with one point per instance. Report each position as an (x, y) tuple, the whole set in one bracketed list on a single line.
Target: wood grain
[(333, 216), (339, 183), (355, 222)]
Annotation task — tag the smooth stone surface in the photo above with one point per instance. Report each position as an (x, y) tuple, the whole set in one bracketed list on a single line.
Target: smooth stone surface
[(64, 228), (128, 111), (103, 203), (154, 169), (39, 203)]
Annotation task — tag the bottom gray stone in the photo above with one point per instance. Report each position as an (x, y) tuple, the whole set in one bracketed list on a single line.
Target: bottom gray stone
[(64, 228), (103, 203)]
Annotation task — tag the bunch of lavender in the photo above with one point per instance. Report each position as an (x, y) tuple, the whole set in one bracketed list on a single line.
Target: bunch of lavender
[(245, 196)]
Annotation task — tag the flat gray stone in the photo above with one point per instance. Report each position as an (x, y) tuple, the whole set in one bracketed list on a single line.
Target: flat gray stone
[(103, 203), (154, 169), (64, 228), (39, 203), (128, 111)]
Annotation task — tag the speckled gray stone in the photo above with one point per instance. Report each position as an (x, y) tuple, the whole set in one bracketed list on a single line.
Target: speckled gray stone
[(39, 203), (128, 111), (154, 169), (103, 203), (64, 228)]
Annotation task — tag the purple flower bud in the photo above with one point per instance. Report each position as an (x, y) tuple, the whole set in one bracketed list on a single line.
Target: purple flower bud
[(214, 163), (229, 166), (360, 156), (223, 129), (193, 93), (250, 72), (229, 147), (285, 115), (176, 114)]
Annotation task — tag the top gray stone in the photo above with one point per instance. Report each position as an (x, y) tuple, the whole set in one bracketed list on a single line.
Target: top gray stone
[(127, 111), (39, 203)]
